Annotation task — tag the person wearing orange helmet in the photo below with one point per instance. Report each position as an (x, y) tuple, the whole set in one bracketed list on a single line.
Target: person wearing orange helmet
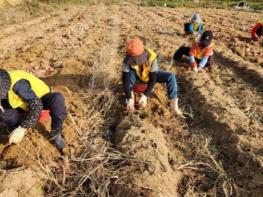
[(140, 65)]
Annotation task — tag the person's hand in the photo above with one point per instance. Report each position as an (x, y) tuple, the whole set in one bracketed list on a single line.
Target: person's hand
[(2, 109), (143, 101), (17, 135), (130, 105), (195, 69), (200, 69)]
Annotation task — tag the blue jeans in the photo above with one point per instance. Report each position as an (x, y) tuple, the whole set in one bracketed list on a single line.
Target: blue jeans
[(162, 77)]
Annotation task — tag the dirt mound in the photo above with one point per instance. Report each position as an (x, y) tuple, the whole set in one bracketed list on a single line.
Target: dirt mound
[(20, 183), (147, 144)]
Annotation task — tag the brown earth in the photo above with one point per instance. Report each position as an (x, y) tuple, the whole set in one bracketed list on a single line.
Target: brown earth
[(216, 150)]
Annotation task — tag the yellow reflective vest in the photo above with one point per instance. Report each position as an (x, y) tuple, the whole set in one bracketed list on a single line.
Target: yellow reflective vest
[(38, 86), (144, 70)]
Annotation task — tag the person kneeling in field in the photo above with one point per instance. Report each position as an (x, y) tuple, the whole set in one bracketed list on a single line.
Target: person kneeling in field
[(23, 97), (200, 54), (257, 31), (140, 66), (195, 26)]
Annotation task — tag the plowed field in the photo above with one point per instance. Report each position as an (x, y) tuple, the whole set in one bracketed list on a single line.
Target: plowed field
[(216, 150)]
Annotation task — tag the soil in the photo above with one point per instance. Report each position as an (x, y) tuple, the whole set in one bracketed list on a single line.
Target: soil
[(217, 149)]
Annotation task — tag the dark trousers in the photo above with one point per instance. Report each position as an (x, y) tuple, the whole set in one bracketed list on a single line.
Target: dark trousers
[(184, 51), (54, 102)]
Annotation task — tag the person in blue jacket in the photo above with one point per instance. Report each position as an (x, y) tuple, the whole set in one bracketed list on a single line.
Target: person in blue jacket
[(195, 26)]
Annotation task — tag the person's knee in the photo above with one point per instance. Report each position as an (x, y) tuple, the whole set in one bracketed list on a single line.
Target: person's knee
[(171, 77), (57, 98), (57, 107)]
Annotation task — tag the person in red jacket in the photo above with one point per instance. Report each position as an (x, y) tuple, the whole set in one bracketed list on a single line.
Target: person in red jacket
[(257, 31)]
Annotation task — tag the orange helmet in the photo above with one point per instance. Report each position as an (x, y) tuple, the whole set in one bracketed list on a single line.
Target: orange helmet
[(135, 47)]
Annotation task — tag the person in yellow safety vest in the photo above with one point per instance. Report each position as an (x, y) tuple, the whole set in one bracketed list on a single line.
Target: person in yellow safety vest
[(23, 96), (195, 26), (140, 66)]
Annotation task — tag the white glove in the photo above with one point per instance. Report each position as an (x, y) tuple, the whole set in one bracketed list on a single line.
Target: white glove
[(17, 135), (1, 107), (143, 101), (195, 69), (130, 105), (200, 69)]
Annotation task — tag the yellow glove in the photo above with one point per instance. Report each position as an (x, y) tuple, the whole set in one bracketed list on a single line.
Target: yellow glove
[(17, 135), (143, 101)]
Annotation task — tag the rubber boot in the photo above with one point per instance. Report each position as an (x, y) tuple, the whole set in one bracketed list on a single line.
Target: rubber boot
[(174, 106), (56, 133)]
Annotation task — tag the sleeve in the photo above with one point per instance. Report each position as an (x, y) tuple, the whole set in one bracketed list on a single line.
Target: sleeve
[(126, 84), (200, 29), (192, 61), (209, 51), (125, 67), (23, 89), (203, 62), (151, 83), (154, 66)]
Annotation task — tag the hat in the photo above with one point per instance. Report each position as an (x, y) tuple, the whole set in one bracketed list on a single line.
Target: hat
[(196, 18), (206, 38), (135, 47)]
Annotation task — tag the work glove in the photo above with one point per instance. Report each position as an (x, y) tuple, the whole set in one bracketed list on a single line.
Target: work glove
[(58, 139), (17, 135), (143, 101), (1, 107), (195, 69), (130, 104), (200, 69)]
